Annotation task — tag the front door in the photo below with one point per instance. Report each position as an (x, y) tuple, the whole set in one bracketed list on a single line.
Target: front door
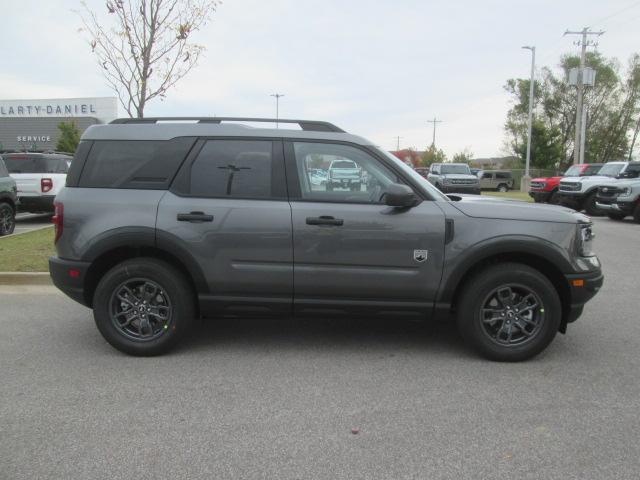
[(352, 253), (228, 208)]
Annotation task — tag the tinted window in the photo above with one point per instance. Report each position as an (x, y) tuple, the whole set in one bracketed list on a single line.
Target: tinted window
[(3, 169), (633, 169), (29, 163), (134, 164), (591, 170), (486, 175), (611, 169), (234, 168), (503, 175), (456, 169), (364, 181)]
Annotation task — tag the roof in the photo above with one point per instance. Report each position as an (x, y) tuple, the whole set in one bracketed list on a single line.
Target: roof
[(168, 128)]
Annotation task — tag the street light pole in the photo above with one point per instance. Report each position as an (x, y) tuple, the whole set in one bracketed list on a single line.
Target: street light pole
[(526, 179), (277, 95)]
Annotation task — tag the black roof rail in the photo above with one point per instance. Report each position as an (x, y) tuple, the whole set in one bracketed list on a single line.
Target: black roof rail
[(308, 125)]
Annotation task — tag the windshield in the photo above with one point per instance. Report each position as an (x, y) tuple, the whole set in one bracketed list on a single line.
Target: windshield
[(36, 164), (416, 177), (592, 170), (343, 164), (455, 169), (611, 169), (573, 171)]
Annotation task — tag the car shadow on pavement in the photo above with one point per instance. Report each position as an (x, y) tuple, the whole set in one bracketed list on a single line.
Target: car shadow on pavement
[(344, 334)]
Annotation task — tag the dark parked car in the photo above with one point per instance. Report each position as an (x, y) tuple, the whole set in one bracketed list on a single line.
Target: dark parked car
[(162, 222), (8, 201)]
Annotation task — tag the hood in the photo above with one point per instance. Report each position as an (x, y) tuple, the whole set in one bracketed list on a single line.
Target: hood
[(596, 178), (488, 207), (546, 179)]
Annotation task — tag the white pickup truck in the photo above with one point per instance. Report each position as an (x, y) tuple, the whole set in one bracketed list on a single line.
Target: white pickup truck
[(344, 174), (39, 177)]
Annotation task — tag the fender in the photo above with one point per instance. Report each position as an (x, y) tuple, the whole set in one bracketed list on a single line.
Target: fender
[(509, 244), (133, 237)]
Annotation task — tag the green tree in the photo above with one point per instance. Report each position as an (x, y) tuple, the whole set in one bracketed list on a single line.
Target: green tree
[(612, 105), (69, 137), (465, 156), (432, 155)]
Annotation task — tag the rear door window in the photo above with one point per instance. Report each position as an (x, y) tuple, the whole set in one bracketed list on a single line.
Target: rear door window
[(138, 164), (237, 169)]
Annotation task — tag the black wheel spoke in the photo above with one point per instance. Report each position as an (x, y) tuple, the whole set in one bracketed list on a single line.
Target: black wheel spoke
[(140, 309), (511, 315)]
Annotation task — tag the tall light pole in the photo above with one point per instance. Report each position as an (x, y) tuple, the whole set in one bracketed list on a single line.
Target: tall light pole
[(435, 121), (277, 95), (526, 179)]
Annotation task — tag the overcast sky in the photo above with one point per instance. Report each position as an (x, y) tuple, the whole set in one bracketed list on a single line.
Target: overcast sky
[(376, 68)]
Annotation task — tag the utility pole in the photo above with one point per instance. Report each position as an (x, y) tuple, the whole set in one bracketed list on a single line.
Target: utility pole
[(435, 121), (277, 96), (584, 43), (526, 179), (398, 143)]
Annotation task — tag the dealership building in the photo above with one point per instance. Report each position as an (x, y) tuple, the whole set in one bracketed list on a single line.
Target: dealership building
[(33, 124)]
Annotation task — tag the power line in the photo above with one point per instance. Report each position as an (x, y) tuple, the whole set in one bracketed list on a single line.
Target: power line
[(435, 121), (398, 142)]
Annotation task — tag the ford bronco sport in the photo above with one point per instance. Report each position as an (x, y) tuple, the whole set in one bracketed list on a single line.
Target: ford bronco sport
[(163, 222)]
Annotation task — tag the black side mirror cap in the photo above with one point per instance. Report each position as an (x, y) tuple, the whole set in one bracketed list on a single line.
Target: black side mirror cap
[(398, 195)]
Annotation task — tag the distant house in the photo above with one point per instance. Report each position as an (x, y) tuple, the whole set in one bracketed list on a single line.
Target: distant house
[(409, 156)]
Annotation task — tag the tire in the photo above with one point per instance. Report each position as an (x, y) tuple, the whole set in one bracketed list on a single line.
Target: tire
[(554, 198), (590, 206), (173, 299), (502, 188), (616, 216), (542, 322), (636, 213), (7, 219)]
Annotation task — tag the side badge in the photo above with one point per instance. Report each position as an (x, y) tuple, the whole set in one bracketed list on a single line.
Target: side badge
[(420, 255)]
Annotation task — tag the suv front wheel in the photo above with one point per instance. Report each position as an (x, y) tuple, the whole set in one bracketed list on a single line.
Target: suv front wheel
[(509, 312), (7, 219), (143, 306)]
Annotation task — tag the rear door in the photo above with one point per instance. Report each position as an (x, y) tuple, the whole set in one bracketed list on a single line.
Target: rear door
[(228, 207), (352, 253)]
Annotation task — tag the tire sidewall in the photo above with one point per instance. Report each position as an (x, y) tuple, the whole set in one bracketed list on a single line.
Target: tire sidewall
[(470, 325), (3, 206), (173, 283)]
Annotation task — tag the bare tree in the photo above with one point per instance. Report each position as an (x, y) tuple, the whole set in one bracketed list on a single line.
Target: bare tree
[(144, 47)]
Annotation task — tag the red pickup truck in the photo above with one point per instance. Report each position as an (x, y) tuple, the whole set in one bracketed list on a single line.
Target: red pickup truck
[(544, 190)]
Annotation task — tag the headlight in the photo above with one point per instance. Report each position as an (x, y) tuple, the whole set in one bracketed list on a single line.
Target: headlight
[(626, 191), (445, 180), (585, 240)]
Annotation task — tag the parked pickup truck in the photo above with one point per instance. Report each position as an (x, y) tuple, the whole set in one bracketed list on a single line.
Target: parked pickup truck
[(39, 177), (620, 199), (344, 174), (545, 190)]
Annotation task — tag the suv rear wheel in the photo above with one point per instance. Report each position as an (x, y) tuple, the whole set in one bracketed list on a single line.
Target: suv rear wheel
[(509, 312), (616, 215), (143, 306), (7, 219), (503, 188)]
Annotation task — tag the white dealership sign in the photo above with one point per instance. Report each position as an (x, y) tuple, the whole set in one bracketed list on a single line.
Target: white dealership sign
[(104, 109)]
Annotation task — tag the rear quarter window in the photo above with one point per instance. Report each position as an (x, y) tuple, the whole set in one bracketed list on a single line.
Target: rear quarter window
[(135, 164)]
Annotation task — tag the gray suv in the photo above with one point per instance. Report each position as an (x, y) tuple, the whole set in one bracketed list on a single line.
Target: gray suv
[(163, 222), (454, 178)]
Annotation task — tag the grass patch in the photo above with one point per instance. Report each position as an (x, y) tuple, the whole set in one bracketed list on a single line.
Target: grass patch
[(27, 252), (514, 195)]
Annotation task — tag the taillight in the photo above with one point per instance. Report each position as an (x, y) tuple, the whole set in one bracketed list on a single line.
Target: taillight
[(46, 184), (58, 220)]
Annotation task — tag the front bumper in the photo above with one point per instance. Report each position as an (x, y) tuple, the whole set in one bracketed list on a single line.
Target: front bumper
[(540, 195), (571, 199), (625, 208), (453, 188), (69, 276), (582, 288)]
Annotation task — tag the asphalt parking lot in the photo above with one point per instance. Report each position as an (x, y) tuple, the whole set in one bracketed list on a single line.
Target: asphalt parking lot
[(264, 399), (27, 222)]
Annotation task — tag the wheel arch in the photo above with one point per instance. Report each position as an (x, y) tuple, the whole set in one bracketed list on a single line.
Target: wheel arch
[(546, 260), (116, 247)]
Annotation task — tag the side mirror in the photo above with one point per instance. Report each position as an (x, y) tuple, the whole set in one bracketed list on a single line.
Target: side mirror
[(397, 195)]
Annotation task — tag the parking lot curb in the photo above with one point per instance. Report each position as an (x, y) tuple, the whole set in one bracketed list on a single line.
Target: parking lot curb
[(25, 278)]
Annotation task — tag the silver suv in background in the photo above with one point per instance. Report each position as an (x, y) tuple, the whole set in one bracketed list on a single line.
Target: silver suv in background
[(453, 178), (620, 199), (162, 222)]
